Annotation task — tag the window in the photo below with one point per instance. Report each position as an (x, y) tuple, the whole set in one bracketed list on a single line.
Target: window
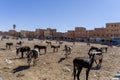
[(98, 35), (111, 35)]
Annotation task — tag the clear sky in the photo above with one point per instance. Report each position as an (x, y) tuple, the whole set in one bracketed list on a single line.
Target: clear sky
[(62, 15)]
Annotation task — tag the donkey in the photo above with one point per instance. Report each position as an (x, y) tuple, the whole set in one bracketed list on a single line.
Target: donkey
[(41, 47), (48, 42), (55, 47), (104, 49), (32, 56), (22, 50), (60, 42), (67, 50), (19, 43), (98, 55), (79, 63), (9, 44)]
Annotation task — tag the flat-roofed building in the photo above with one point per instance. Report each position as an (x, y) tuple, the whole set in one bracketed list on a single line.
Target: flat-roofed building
[(80, 32), (113, 30), (71, 34), (58, 35), (48, 33), (39, 33), (24, 33), (99, 33), (13, 33)]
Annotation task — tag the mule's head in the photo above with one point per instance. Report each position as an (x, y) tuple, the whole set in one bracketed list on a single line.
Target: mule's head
[(92, 56)]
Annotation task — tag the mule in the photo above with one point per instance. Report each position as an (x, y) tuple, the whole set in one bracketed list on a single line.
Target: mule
[(32, 56), (55, 47), (98, 54), (103, 49), (82, 62), (60, 42), (19, 43), (9, 44), (48, 42), (22, 50), (41, 47), (67, 50)]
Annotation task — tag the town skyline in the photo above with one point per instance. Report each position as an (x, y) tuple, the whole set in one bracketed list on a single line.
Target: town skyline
[(56, 28), (111, 30)]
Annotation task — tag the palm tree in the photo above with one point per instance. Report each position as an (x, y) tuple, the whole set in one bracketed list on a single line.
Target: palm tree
[(14, 26)]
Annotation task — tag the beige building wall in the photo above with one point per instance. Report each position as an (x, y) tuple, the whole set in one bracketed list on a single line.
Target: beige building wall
[(49, 32), (25, 33), (99, 33), (13, 33), (90, 33), (65, 34), (71, 34), (112, 30), (58, 35), (80, 32), (39, 32)]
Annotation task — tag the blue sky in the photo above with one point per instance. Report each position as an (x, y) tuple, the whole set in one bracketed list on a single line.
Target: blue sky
[(60, 14)]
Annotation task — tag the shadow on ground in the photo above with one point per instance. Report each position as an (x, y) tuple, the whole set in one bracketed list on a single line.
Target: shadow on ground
[(61, 59), (20, 68), (2, 49)]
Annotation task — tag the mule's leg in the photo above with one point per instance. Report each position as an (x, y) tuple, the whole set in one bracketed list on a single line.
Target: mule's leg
[(57, 49), (45, 51), (9, 46), (100, 62), (74, 71), (29, 61), (21, 54), (87, 73), (106, 50), (78, 73), (53, 49), (34, 61), (39, 50), (95, 61), (6, 46), (69, 53), (66, 54), (27, 52)]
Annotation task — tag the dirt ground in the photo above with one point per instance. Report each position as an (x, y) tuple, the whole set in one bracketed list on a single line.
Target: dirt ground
[(48, 66)]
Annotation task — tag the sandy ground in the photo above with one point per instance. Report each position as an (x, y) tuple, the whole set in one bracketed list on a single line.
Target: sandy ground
[(48, 68)]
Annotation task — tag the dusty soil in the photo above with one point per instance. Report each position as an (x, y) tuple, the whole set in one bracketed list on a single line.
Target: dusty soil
[(48, 66)]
